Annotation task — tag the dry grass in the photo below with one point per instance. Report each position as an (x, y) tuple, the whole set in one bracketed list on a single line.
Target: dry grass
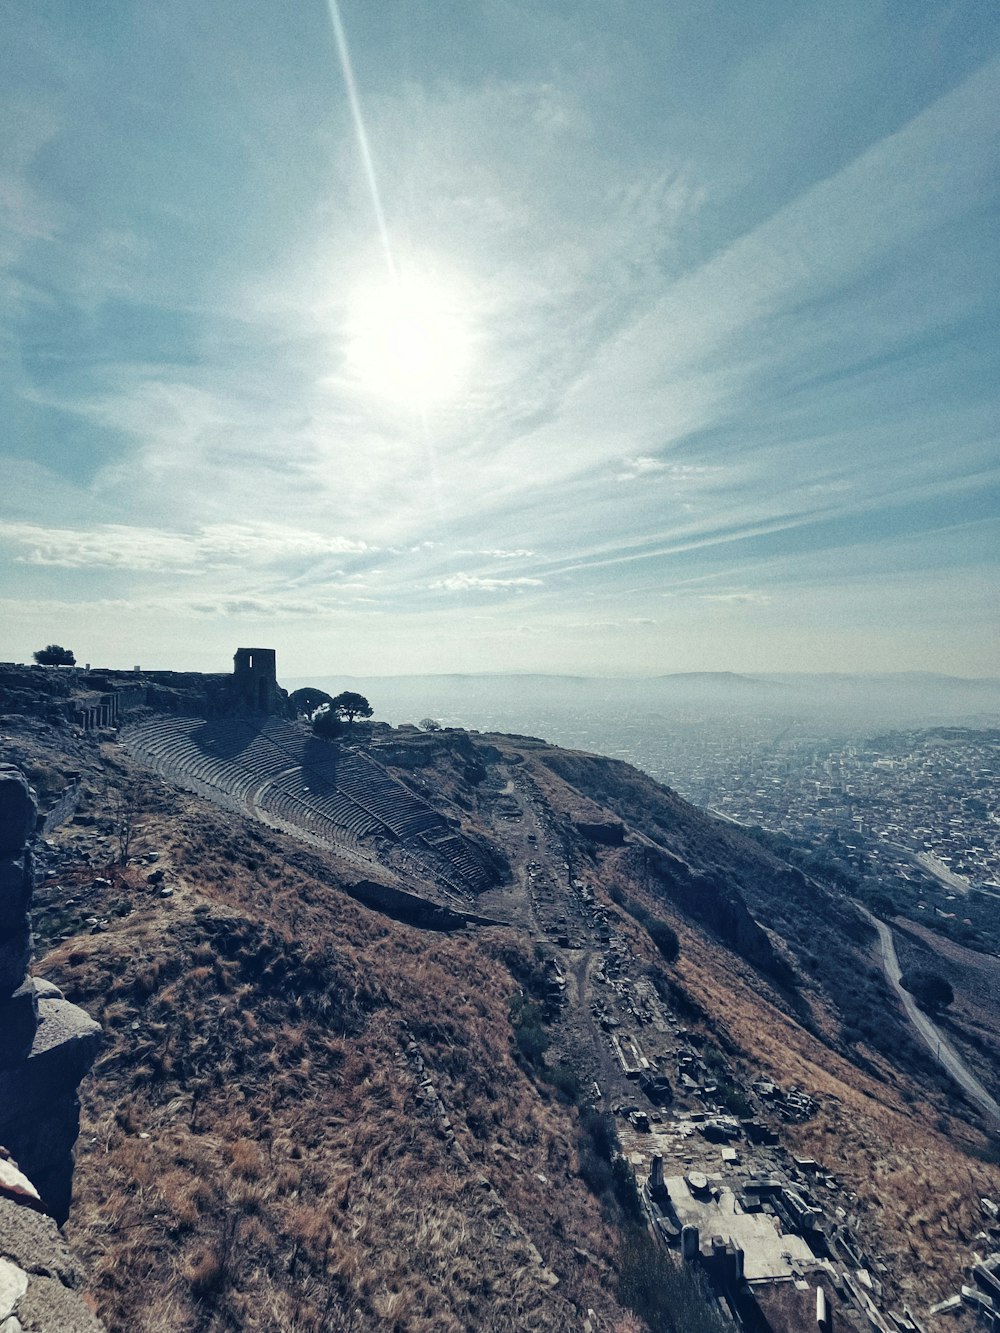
[(257, 1151), (254, 1153)]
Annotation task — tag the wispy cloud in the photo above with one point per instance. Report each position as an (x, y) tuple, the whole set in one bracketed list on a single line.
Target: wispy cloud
[(463, 582), (498, 553), (115, 546), (725, 307), (642, 466), (744, 598)]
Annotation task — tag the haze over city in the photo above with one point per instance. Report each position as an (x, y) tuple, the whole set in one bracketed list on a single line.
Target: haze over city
[(462, 337)]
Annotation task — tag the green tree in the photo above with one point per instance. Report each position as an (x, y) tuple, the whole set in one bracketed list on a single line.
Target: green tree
[(326, 722), (307, 700), (350, 705), (54, 654), (930, 990)]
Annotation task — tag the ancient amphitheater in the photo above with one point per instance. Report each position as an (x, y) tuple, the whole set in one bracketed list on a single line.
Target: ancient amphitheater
[(332, 796)]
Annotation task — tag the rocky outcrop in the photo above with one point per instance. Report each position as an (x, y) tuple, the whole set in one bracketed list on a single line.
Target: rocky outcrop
[(39, 1278), (715, 903), (609, 833), (411, 908), (46, 1043)]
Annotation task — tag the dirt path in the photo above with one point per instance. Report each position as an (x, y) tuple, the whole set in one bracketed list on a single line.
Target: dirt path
[(936, 1041)]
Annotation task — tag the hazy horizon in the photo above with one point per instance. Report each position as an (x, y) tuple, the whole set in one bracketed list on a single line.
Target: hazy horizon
[(570, 709), (543, 338)]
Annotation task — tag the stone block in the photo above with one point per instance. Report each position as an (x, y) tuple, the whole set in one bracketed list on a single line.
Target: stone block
[(52, 1300), (17, 810), (15, 958), (66, 1044), (16, 884), (18, 1023), (48, 1305), (47, 990)]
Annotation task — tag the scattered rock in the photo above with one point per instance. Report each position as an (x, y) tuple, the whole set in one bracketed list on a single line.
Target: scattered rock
[(13, 1285)]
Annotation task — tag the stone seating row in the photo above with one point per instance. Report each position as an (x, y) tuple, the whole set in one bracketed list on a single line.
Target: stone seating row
[(242, 761), (404, 813), (310, 809), (186, 762), (330, 801), (339, 799), (291, 811)]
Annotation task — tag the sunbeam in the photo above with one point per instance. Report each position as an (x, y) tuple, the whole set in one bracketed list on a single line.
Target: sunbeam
[(364, 148)]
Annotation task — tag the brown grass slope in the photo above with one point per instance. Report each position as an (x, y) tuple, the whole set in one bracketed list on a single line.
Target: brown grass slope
[(309, 1117), (818, 934), (258, 1151)]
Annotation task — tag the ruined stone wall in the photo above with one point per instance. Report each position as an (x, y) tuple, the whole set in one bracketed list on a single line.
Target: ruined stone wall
[(97, 699), (58, 813), (46, 1043)]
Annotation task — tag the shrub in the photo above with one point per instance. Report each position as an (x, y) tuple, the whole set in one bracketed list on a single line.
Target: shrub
[(930, 990), (530, 1036), (669, 1298), (664, 938), (625, 1189), (566, 1082), (53, 654), (326, 722)]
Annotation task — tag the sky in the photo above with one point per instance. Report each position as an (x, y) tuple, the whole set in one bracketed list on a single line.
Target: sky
[(479, 335)]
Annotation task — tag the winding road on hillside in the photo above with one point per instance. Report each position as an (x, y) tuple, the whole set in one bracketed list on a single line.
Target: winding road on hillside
[(939, 1044)]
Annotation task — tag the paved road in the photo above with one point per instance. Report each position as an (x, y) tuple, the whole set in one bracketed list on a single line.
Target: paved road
[(939, 1045)]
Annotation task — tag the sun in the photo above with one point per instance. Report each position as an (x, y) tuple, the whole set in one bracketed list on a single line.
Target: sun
[(409, 340)]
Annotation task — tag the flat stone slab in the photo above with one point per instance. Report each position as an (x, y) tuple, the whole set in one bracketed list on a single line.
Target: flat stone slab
[(16, 1186), (47, 990), (13, 1285)]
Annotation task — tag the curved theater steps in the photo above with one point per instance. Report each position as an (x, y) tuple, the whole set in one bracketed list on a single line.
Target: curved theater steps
[(279, 773)]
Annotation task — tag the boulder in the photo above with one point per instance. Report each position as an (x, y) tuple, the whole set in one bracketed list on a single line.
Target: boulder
[(16, 883), (17, 810), (15, 955), (40, 1274), (18, 1023)]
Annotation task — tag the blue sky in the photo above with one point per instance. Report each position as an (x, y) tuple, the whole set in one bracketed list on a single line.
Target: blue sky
[(592, 337)]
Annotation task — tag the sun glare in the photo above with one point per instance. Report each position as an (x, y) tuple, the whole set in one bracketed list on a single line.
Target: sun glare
[(409, 340)]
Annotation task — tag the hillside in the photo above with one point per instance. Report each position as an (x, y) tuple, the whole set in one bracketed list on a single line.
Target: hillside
[(311, 1114)]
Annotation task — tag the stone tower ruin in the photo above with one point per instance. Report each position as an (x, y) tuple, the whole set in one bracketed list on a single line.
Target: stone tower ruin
[(255, 680)]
